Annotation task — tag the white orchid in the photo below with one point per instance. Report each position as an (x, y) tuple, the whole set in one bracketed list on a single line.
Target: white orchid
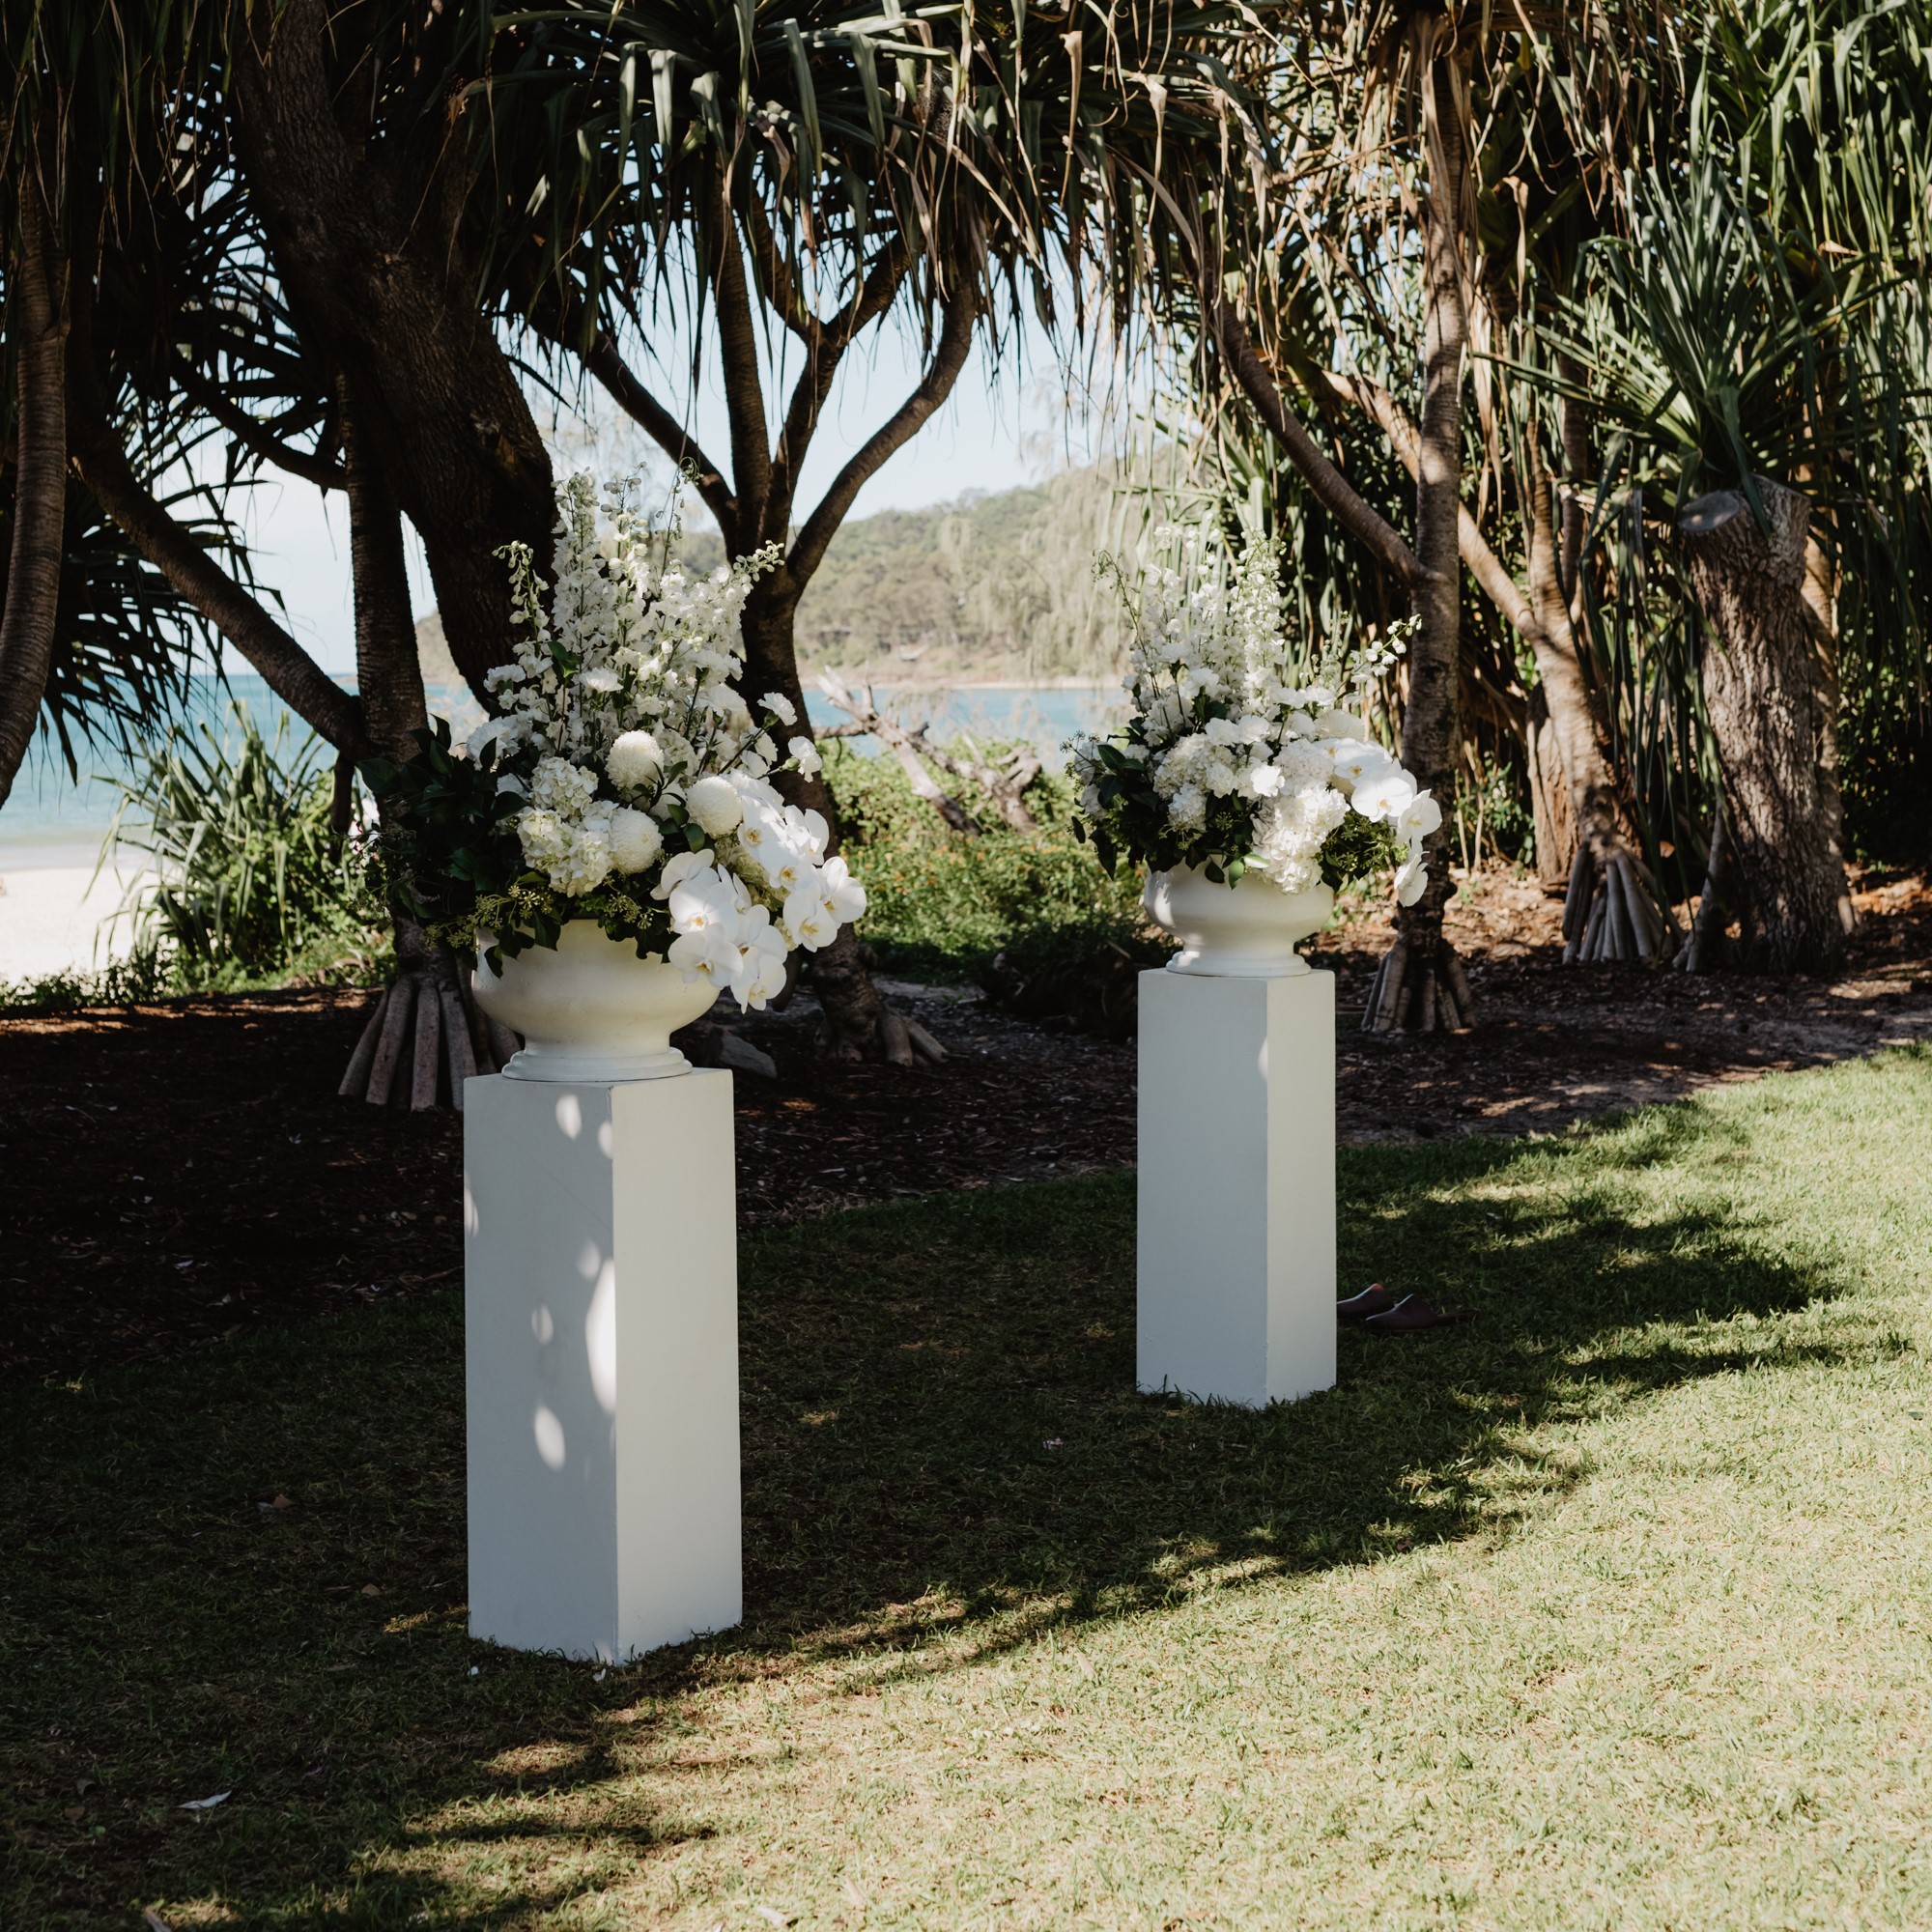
[(1385, 795)]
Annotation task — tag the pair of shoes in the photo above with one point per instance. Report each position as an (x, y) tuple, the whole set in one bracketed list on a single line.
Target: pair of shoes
[(1411, 1315), (1376, 1300)]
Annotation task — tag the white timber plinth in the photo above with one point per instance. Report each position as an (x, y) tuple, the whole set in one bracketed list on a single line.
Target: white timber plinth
[(1235, 1295), (601, 1331)]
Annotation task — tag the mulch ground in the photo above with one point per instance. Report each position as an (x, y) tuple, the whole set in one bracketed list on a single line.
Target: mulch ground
[(174, 1173)]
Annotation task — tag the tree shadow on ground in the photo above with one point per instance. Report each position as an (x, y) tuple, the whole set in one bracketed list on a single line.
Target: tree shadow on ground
[(941, 1437), (942, 1428)]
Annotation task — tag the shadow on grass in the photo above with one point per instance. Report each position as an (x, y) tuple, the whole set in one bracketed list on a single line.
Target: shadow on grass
[(940, 1434)]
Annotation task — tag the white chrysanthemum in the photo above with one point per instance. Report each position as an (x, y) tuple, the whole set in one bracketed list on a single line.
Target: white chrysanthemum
[(635, 842), (633, 761), (714, 805)]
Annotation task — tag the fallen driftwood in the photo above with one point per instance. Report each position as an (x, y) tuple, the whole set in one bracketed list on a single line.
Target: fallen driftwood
[(916, 752)]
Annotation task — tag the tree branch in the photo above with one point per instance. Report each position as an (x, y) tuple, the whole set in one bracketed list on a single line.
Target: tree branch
[(744, 390), (1359, 518), (824, 353), (1482, 563), (312, 467), (779, 280), (955, 342), (620, 381), (291, 674)]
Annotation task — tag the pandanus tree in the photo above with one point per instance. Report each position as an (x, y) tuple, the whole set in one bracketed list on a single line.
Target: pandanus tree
[(786, 183), (92, 641), (1452, 157), (1751, 351), (352, 208)]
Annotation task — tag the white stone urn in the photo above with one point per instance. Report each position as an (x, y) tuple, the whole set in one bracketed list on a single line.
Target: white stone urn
[(590, 1009), (1244, 932)]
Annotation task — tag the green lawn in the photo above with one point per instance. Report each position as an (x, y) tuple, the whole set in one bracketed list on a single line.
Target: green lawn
[(1612, 1610)]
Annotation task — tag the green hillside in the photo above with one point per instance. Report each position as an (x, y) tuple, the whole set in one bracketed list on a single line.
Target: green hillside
[(989, 587)]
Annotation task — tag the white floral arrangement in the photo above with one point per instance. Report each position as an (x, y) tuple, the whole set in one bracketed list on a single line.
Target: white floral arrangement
[(625, 781), (1226, 766)]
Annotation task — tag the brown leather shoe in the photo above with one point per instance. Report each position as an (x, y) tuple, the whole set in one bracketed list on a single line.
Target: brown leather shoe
[(1412, 1314), (1376, 1300)]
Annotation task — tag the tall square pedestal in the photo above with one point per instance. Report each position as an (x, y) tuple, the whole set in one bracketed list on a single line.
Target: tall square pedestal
[(601, 1330), (1236, 1194)]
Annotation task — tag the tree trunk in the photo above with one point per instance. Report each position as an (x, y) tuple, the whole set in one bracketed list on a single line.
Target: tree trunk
[(1549, 795), (1761, 693), (366, 235), (1821, 601), (426, 1008), (1429, 989), (1611, 910), (858, 1025), (36, 286)]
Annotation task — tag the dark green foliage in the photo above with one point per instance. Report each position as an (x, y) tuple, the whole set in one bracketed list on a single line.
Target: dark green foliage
[(254, 883)]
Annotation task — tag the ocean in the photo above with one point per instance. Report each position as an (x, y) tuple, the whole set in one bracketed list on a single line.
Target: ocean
[(52, 819)]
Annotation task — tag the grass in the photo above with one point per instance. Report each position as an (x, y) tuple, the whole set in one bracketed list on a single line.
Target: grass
[(1610, 1611)]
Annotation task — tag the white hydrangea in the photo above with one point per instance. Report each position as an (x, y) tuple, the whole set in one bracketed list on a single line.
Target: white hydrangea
[(559, 787), (1290, 832)]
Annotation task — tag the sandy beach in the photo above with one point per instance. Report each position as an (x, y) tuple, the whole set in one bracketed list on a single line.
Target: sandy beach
[(56, 919)]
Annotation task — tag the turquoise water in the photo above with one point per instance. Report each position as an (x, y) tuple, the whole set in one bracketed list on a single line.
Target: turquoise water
[(51, 819)]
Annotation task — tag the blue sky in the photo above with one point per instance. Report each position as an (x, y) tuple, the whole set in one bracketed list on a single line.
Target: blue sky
[(1000, 429)]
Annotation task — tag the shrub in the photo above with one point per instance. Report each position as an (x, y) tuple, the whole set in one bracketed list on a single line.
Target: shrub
[(943, 903), (251, 884)]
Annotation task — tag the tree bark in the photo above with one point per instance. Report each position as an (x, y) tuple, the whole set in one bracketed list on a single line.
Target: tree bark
[(36, 284), (1549, 796), (1761, 692), (1821, 601), (367, 237), (1430, 717), (449, 1042)]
